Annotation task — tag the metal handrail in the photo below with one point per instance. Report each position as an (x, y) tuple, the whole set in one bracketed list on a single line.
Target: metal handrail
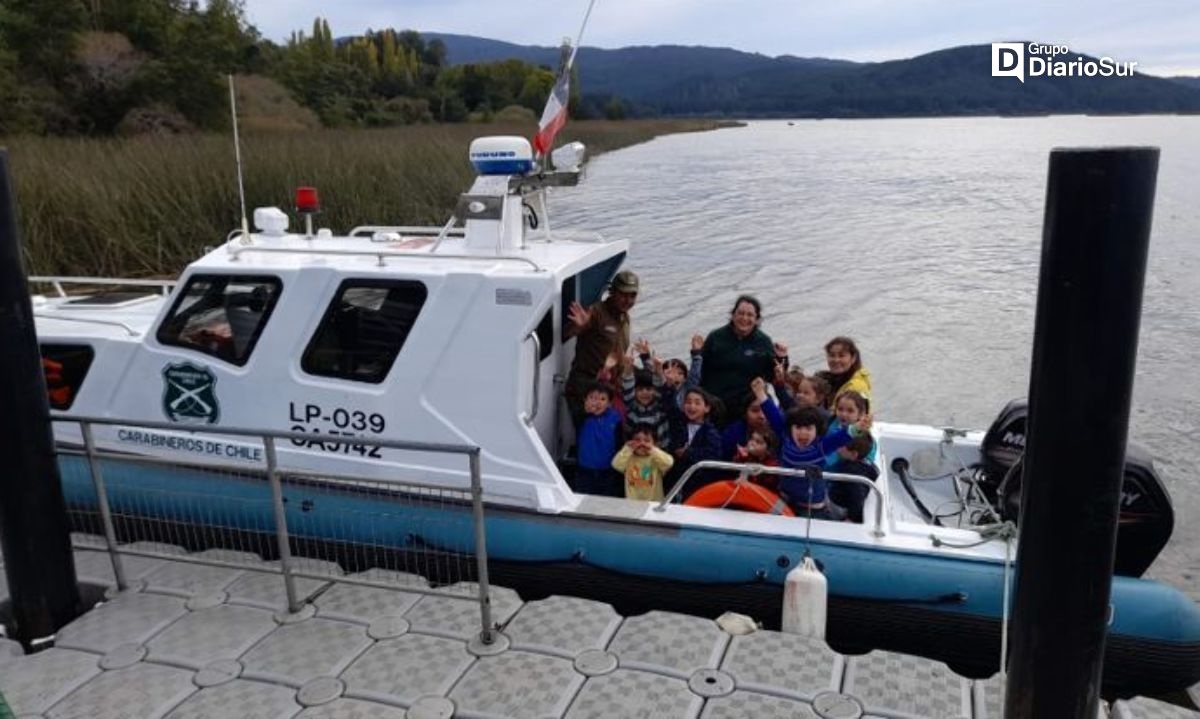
[(379, 255), (405, 230), (88, 320), (58, 282), (537, 374), (274, 476), (753, 470)]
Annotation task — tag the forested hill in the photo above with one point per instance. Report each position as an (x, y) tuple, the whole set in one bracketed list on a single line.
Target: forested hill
[(675, 80)]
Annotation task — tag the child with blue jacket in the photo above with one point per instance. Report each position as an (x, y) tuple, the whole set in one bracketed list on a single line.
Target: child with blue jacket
[(598, 438), (803, 443), (849, 407)]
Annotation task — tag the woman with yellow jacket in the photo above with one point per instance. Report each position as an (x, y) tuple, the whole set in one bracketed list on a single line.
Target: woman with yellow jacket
[(846, 371)]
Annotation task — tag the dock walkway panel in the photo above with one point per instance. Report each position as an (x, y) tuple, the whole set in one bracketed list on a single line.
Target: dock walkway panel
[(197, 641)]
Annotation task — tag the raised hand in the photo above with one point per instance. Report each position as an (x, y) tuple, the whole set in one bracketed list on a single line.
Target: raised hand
[(657, 364), (612, 360), (780, 372), (579, 315), (642, 346), (697, 343), (627, 364), (759, 388), (781, 350)]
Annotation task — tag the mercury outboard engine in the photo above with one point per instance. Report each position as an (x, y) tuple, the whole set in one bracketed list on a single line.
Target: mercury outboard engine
[(1146, 516)]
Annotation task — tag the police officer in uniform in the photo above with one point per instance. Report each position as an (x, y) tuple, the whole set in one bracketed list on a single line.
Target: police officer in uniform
[(601, 329)]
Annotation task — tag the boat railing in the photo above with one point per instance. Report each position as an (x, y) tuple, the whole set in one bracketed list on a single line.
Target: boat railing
[(163, 286), (380, 255), (87, 321), (746, 471), (412, 231), (319, 526)]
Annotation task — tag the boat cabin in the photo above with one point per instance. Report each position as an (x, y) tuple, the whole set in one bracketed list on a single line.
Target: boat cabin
[(445, 335)]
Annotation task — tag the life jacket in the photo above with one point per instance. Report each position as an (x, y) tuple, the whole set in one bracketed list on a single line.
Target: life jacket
[(57, 388)]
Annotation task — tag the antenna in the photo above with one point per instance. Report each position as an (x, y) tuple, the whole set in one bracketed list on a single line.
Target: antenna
[(237, 152)]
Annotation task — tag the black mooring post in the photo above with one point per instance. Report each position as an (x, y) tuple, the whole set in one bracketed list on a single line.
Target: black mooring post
[(34, 535), (1094, 242)]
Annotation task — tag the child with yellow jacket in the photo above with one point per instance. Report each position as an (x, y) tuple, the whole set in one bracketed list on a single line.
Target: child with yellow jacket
[(643, 465)]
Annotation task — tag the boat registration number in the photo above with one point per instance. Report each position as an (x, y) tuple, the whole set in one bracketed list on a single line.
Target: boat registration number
[(336, 422)]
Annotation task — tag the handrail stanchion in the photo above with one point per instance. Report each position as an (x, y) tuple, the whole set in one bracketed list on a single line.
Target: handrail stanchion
[(281, 530), (481, 562), (110, 532)]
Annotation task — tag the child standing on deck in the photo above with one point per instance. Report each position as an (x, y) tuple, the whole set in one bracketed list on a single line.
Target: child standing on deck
[(849, 407), (694, 437), (599, 435), (645, 399), (802, 445), (852, 459), (643, 465)]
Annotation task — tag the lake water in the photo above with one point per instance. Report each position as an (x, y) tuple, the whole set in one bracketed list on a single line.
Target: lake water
[(920, 239)]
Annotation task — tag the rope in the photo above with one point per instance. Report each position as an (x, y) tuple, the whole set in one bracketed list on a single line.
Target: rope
[(987, 532), (1004, 617), (1008, 532)]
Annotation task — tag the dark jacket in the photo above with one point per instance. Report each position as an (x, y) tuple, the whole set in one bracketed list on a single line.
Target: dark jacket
[(705, 445), (731, 362)]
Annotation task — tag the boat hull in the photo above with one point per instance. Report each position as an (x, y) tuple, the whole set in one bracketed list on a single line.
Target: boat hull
[(942, 607)]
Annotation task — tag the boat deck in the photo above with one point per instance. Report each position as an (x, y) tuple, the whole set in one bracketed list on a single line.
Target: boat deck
[(201, 641)]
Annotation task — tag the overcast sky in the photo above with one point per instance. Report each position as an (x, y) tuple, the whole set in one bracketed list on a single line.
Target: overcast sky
[(1163, 36)]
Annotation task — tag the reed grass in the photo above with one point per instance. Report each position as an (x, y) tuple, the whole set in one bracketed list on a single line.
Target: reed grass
[(146, 206)]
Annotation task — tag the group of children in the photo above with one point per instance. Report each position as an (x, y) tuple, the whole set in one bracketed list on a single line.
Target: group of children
[(644, 426)]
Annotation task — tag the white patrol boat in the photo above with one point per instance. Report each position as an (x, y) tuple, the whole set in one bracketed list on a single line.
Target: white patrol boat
[(454, 335)]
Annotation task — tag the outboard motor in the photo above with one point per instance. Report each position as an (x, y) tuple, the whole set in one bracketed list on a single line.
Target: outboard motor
[(1146, 516)]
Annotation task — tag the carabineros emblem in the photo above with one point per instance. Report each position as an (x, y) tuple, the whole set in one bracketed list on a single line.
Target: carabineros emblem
[(189, 394)]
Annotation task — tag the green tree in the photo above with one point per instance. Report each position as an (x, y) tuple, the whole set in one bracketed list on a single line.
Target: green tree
[(44, 36)]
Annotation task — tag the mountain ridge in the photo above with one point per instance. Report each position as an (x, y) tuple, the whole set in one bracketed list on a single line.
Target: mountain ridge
[(675, 80)]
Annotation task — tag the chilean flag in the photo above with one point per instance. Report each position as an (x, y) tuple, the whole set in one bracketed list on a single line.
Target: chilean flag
[(555, 114)]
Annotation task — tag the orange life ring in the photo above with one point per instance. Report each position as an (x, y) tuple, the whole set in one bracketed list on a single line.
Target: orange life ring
[(746, 496)]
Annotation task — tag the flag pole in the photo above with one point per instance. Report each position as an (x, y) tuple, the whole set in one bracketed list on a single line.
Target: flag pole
[(545, 157)]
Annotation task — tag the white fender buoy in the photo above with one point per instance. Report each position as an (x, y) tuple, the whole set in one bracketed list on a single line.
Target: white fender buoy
[(805, 600)]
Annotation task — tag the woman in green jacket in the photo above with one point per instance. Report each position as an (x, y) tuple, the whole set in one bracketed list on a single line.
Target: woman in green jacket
[(737, 353)]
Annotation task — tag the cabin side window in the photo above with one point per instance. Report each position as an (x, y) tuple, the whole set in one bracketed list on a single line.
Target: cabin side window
[(65, 367), (363, 330), (545, 334), (221, 315)]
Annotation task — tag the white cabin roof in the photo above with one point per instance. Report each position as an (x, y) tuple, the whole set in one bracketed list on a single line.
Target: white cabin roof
[(387, 253)]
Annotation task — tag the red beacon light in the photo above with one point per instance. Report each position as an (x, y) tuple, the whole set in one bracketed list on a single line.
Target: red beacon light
[(307, 204), (307, 200)]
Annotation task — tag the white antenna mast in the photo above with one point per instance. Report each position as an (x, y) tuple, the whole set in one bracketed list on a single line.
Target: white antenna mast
[(237, 152)]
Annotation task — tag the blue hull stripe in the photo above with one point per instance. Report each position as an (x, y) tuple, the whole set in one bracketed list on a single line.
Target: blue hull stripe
[(1142, 608)]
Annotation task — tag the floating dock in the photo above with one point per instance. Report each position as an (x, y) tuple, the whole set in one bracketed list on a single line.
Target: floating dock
[(203, 641)]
